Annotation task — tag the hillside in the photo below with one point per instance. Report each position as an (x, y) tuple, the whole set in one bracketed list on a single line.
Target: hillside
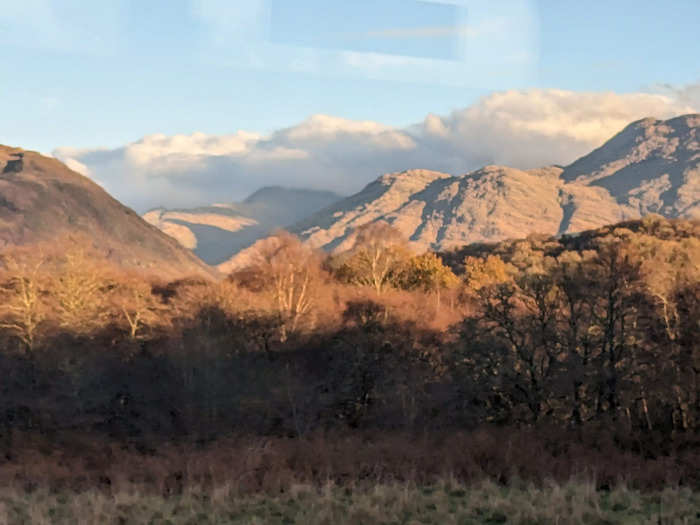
[(42, 200), (651, 166), (216, 232), (680, 237)]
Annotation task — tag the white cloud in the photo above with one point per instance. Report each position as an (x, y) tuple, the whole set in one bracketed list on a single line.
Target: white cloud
[(184, 149), (536, 127), (518, 128), (77, 166), (688, 94)]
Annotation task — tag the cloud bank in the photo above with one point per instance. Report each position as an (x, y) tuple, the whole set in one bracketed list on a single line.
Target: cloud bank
[(523, 129)]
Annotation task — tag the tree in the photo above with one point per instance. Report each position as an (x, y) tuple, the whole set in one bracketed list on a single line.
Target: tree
[(572, 279), (23, 306), (134, 303), (376, 258), (670, 266), (523, 315), (481, 272), (687, 300), (79, 289), (427, 272), (290, 272), (615, 281)]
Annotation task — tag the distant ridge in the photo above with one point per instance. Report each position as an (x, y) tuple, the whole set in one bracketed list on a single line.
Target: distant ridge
[(220, 230)]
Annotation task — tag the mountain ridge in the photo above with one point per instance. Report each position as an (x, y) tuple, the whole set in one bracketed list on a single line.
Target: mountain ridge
[(651, 166)]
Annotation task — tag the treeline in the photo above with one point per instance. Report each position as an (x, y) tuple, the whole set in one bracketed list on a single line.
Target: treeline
[(594, 333), (600, 326)]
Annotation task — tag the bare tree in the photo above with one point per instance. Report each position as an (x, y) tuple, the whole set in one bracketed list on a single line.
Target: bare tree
[(23, 306), (377, 256), (133, 301), (670, 266), (290, 271), (523, 316), (616, 280), (79, 290)]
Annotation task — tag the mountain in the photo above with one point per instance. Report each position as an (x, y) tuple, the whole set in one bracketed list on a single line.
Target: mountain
[(41, 200), (218, 231), (651, 166)]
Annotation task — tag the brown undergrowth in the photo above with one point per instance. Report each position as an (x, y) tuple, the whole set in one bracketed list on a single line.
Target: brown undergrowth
[(77, 462)]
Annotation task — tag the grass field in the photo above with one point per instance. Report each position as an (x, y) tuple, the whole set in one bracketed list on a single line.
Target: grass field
[(444, 503)]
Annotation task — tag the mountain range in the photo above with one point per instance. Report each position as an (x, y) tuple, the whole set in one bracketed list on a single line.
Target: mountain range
[(651, 166)]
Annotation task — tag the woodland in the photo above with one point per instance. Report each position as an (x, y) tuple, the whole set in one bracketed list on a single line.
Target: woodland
[(534, 359)]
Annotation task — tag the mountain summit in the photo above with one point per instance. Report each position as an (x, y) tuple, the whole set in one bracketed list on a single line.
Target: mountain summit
[(650, 166)]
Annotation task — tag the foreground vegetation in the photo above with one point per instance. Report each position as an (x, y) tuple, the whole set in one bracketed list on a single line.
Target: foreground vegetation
[(598, 330), (535, 359), (447, 502)]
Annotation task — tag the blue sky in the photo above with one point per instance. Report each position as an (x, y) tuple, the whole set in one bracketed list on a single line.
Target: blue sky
[(102, 74), (398, 27)]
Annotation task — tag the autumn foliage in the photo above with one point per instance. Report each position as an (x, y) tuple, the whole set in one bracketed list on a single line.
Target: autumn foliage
[(585, 339)]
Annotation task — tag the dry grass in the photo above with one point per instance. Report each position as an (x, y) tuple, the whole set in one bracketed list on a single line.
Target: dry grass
[(252, 465), (447, 502)]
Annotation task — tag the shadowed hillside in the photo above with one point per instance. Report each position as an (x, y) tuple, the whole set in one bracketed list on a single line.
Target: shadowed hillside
[(42, 200)]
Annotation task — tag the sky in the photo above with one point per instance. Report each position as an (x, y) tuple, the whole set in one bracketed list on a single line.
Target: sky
[(178, 102)]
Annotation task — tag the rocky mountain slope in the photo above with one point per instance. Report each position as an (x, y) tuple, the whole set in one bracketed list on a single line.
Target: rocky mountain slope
[(651, 166), (216, 232), (41, 199)]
